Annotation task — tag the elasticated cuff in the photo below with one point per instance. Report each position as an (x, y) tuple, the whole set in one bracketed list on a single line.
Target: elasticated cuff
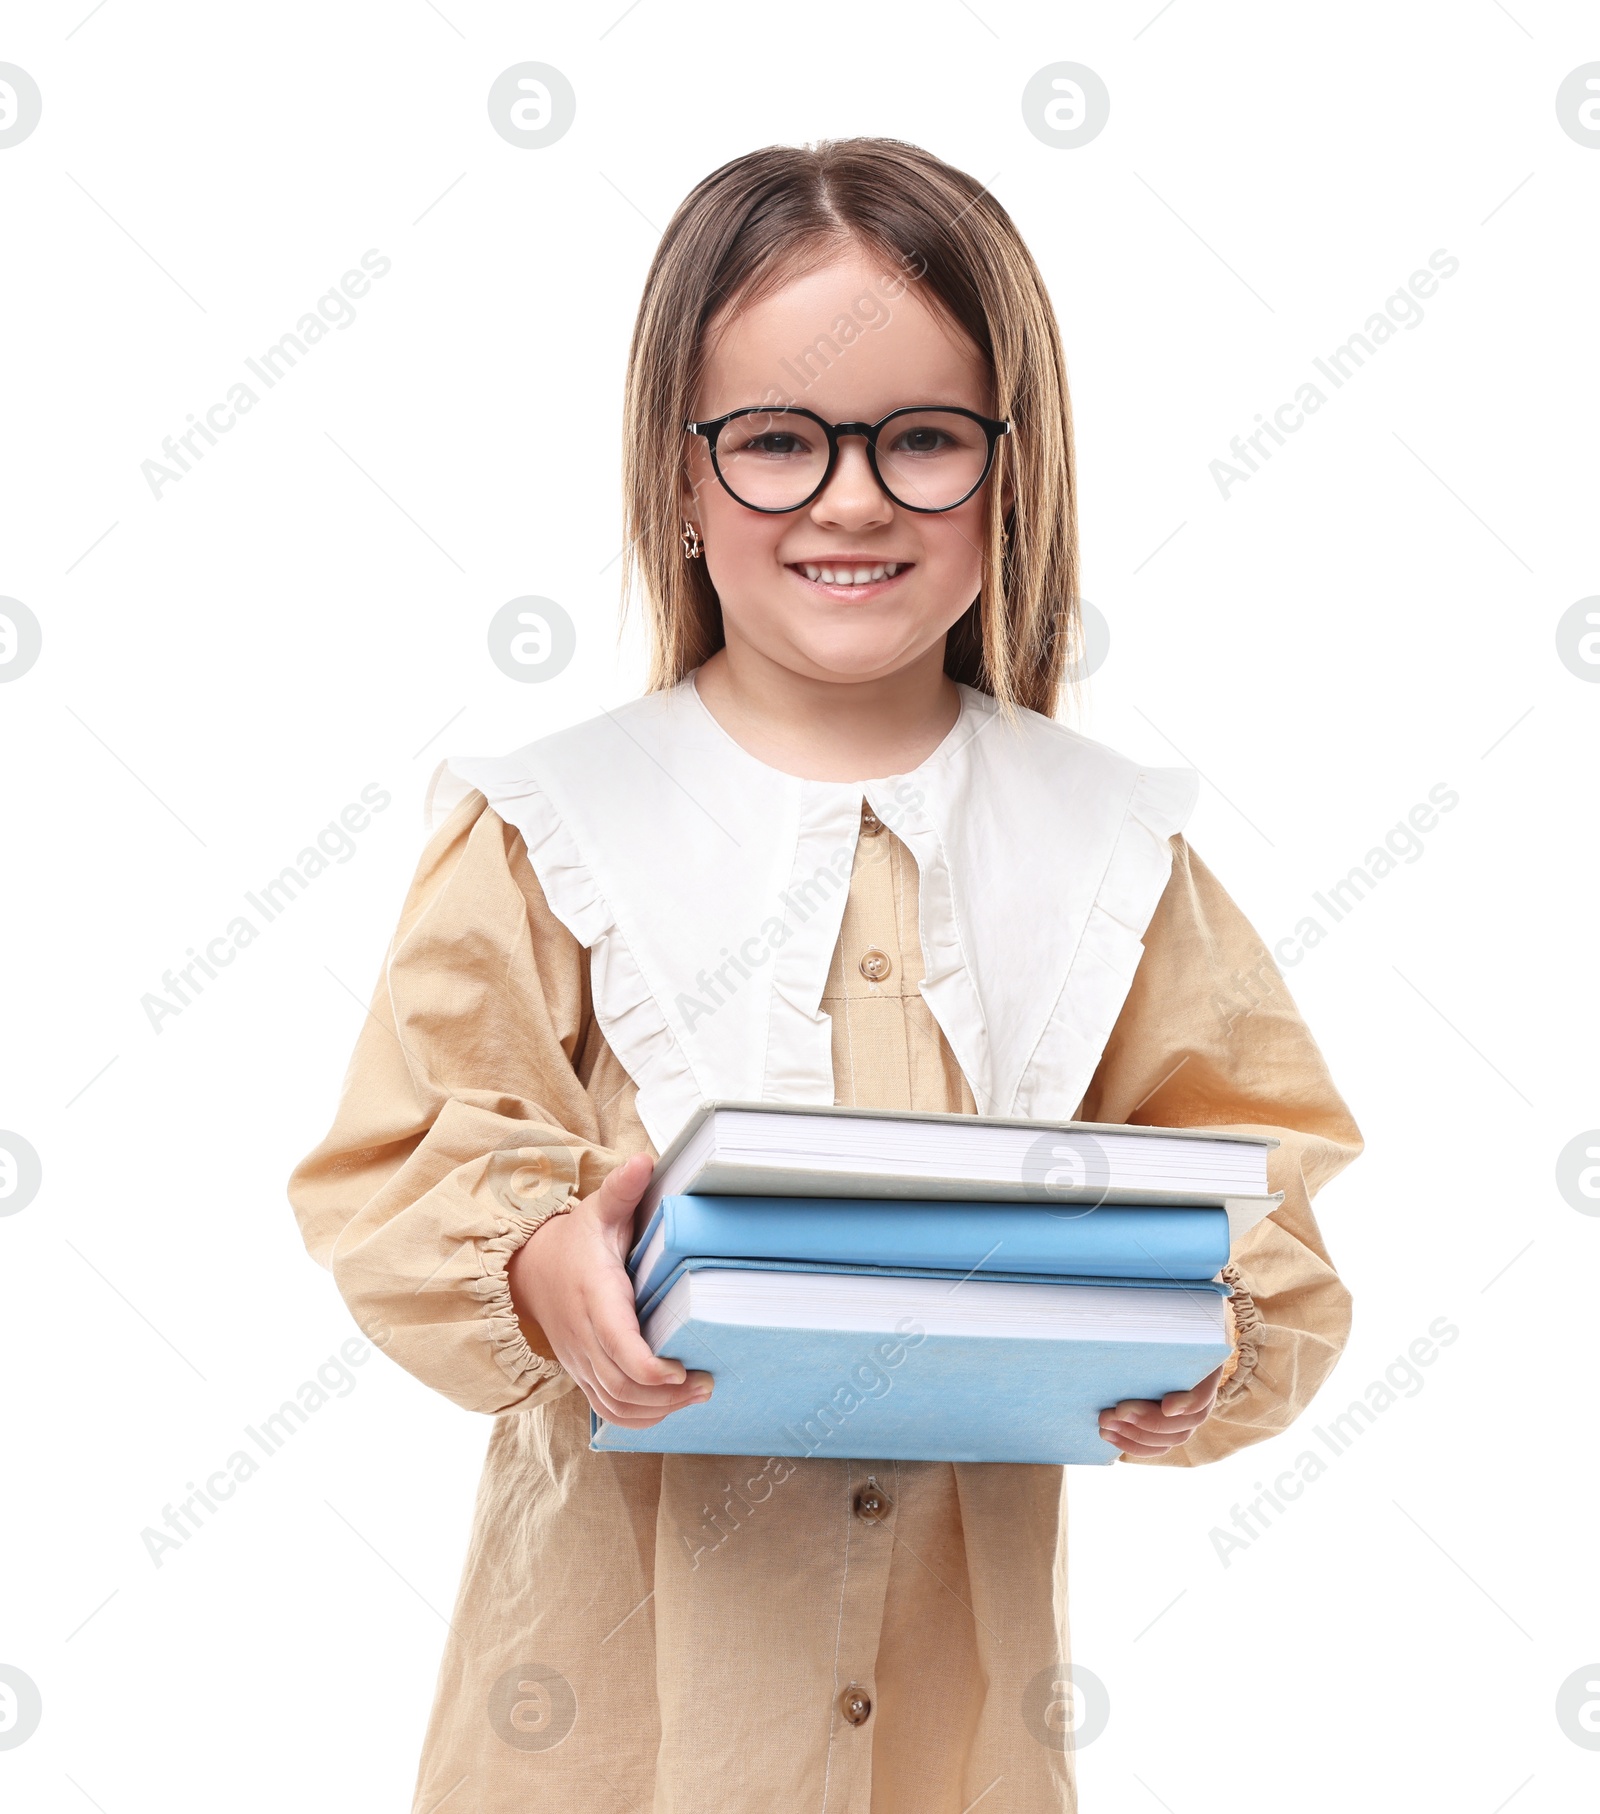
[(1249, 1333), (527, 1369)]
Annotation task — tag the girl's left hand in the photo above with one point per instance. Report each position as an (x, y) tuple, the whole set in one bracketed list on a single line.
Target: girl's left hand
[(1141, 1426)]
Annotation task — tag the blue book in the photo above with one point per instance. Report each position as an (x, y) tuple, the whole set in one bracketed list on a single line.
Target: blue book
[(916, 1367), (984, 1237)]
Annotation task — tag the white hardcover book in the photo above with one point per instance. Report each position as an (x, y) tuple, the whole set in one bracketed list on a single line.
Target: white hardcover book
[(770, 1149)]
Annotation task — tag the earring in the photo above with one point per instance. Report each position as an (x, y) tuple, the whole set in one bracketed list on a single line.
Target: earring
[(692, 544)]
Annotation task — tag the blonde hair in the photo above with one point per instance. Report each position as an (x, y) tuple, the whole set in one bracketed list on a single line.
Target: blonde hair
[(772, 215)]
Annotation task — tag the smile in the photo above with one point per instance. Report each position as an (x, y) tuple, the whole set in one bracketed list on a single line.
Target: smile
[(851, 576)]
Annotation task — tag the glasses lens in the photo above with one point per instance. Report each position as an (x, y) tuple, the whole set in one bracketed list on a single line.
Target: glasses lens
[(931, 458), (772, 459)]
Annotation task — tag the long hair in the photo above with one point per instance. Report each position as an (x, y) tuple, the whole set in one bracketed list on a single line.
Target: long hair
[(775, 214)]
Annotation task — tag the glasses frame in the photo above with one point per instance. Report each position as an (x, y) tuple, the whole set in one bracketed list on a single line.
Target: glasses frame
[(869, 431)]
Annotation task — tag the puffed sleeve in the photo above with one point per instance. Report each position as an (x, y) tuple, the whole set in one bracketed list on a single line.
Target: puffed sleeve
[(1209, 1036), (462, 1122)]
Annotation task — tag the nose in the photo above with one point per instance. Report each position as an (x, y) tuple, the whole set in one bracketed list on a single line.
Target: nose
[(852, 497)]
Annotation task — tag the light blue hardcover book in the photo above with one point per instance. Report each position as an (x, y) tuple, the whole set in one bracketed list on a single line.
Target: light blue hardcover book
[(991, 1238), (907, 1367)]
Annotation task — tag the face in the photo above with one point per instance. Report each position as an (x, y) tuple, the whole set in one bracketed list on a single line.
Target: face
[(851, 342)]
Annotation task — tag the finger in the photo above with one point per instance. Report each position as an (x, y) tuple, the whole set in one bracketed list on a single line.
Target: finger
[(614, 1202), (626, 1419), (1164, 1437), (617, 1375), (624, 1388), (622, 1410), (1140, 1449), (1153, 1417), (1131, 1407), (636, 1420), (1192, 1402), (1169, 1429), (625, 1358), (1194, 1396), (628, 1392)]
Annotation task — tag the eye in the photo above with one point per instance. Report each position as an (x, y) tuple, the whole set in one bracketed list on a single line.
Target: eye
[(923, 440), (778, 443)]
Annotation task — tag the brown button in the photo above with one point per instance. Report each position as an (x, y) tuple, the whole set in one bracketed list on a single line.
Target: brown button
[(875, 965), (856, 1705), (873, 1504), (871, 824)]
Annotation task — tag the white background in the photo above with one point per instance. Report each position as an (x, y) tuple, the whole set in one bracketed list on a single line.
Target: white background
[(224, 668)]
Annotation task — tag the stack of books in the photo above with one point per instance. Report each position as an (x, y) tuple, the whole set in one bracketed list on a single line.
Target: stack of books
[(920, 1286)]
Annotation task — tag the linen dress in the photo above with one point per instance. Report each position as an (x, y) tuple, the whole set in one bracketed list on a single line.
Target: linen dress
[(727, 1634)]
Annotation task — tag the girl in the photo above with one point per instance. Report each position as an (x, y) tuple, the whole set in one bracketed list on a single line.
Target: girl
[(841, 851)]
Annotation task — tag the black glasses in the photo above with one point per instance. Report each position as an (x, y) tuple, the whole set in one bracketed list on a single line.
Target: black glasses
[(779, 459)]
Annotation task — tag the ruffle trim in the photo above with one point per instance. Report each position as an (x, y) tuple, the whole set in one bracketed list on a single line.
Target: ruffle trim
[(526, 1369), (1098, 979), (1249, 1336), (445, 792), (635, 1025)]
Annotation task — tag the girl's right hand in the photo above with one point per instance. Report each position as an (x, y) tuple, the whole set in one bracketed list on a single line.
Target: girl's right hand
[(571, 1278)]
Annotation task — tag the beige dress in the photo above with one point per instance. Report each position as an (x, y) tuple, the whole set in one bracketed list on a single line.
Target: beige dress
[(689, 1634)]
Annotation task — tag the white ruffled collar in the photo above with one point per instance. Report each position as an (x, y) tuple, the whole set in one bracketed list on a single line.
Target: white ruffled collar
[(709, 889)]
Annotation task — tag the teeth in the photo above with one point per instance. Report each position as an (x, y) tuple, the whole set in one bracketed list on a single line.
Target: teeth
[(851, 576)]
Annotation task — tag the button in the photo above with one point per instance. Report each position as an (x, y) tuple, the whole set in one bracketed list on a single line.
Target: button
[(871, 824), (856, 1705), (873, 1504), (875, 965)]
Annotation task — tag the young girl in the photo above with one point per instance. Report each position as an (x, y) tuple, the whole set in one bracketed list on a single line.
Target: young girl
[(841, 852)]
